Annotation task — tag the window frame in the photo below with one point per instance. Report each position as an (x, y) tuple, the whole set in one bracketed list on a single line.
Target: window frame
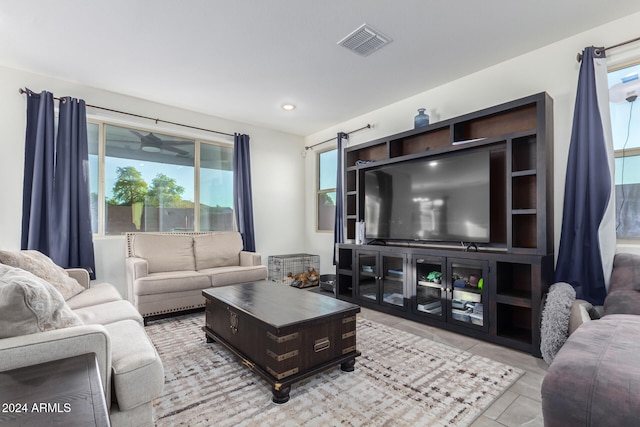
[(622, 153), (102, 124), (323, 191)]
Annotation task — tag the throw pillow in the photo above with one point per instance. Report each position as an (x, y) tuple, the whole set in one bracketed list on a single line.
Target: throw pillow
[(28, 305), (42, 266), (554, 328)]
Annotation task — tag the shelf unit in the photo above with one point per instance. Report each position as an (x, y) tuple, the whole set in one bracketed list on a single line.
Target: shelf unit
[(518, 135), (517, 263)]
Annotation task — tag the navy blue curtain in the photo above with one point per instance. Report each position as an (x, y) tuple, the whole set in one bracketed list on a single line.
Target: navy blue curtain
[(242, 195), (338, 227), (56, 215), (73, 243), (588, 236), (39, 160)]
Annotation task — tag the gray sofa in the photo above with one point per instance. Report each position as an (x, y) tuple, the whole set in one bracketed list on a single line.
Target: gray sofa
[(48, 314), (167, 272), (594, 380)]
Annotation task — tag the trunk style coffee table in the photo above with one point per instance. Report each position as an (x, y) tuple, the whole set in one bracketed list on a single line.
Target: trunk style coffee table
[(283, 334)]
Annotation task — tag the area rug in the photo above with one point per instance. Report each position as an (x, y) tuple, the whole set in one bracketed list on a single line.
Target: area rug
[(400, 380)]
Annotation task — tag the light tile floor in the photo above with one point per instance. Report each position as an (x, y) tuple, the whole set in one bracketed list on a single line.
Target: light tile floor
[(520, 404)]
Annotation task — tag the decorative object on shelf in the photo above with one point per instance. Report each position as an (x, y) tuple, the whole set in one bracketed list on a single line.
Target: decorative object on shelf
[(421, 119)]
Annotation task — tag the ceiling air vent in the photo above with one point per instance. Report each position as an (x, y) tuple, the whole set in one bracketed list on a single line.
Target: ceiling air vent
[(365, 40)]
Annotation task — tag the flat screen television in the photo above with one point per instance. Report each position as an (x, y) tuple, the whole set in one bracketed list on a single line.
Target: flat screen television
[(442, 199)]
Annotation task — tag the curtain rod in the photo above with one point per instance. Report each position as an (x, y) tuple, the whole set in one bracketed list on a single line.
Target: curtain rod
[(30, 92), (310, 147), (579, 57)]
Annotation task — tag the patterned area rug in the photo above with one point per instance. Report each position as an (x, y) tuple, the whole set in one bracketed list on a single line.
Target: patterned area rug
[(400, 380)]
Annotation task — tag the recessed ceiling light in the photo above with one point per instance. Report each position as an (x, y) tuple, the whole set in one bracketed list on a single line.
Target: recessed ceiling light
[(288, 107)]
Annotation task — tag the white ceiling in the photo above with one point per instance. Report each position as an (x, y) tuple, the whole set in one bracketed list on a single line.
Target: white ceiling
[(242, 59)]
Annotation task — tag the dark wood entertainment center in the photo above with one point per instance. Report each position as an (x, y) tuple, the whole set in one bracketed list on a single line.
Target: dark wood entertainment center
[(493, 293)]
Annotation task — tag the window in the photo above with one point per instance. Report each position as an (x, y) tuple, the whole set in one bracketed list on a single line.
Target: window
[(326, 199), (625, 125), (142, 180)]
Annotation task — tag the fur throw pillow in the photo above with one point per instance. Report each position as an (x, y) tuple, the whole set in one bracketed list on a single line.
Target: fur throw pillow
[(554, 330)]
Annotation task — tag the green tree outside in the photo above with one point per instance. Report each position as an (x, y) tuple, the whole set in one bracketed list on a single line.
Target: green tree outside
[(165, 192), (129, 187)]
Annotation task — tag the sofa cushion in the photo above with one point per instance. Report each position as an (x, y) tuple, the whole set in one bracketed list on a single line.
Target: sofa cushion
[(28, 304), (223, 276), (176, 281), (626, 301), (165, 252), (43, 267), (108, 312), (137, 372), (593, 378), (217, 249), (626, 273), (96, 294)]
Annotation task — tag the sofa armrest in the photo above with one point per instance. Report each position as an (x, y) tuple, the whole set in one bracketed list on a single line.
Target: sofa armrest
[(33, 349), (579, 314), (250, 258), (135, 268), (81, 275)]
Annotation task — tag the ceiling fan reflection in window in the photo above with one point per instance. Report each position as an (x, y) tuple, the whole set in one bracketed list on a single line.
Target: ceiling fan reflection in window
[(154, 144)]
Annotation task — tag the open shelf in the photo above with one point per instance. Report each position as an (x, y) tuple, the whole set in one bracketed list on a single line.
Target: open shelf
[(371, 153), (513, 279), (524, 192), (524, 230), (345, 285), (514, 322), (350, 179), (351, 203), (494, 125), (524, 155), (430, 140)]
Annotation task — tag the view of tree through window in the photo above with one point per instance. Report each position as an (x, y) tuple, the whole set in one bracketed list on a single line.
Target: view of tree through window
[(625, 125), (150, 182), (326, 200)]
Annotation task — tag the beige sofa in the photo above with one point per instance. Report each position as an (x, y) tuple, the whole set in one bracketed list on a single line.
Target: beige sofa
[(47, 314), (167, 272)]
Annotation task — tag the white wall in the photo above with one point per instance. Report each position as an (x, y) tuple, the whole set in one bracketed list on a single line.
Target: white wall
[(552, 69), (277, 167)]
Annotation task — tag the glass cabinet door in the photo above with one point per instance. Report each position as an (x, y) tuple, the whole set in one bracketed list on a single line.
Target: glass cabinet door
[(367, 278), (468, 293), (392, 280), (430, 287)]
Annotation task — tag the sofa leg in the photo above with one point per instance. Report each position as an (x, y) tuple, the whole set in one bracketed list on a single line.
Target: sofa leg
[(144, 320)]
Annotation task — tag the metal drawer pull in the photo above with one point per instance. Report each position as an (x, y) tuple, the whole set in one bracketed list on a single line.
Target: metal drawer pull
[(321, 344)]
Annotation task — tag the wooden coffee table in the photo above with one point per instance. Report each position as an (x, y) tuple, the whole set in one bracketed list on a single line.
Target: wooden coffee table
[(283, 334)]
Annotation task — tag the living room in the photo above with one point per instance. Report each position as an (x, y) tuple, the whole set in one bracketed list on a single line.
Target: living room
[(284, 172)]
